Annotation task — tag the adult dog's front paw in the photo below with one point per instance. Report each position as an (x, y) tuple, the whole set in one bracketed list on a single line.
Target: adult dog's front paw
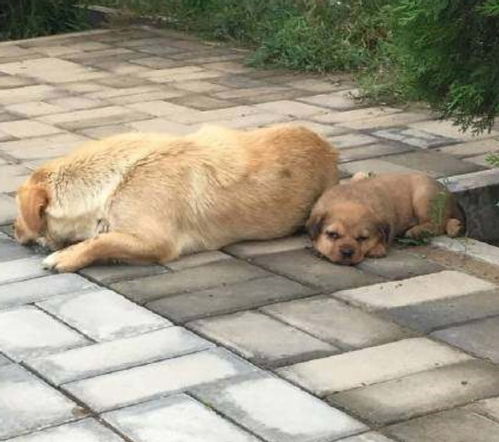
[(62, 261)]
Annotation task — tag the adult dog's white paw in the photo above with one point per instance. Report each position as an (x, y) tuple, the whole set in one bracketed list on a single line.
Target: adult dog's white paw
[(66, 260)]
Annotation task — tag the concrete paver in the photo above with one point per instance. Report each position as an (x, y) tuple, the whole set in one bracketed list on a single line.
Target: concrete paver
[(371, 365), (365, 331)]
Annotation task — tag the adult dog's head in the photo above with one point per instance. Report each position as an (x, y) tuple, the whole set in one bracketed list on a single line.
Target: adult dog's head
[(347, 231), (32, 200)]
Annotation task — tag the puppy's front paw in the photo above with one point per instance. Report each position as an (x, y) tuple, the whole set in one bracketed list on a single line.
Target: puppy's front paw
[(378, 251), (62, 261)]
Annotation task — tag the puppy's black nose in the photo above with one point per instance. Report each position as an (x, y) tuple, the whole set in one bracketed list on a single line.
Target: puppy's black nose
[(347, 252)]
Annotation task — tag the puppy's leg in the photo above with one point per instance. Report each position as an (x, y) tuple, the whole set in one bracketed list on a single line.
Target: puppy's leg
[(432, 209), (378, 251), (107, 246)]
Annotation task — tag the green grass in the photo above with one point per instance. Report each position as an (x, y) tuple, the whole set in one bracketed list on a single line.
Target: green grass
[(33, 18)]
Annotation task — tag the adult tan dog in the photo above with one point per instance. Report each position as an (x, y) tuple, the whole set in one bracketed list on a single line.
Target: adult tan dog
[(361, 218), (151, 198)]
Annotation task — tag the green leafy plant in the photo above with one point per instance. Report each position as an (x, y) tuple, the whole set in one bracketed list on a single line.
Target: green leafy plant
[(31, 18)]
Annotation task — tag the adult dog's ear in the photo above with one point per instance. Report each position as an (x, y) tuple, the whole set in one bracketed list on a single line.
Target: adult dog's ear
[(314, 225), (33, 201), (385, 232)]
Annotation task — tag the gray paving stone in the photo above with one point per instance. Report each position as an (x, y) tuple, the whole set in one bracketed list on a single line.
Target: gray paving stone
[(433, 163), (440, 285), (8, 209), (229, 271), (370, 436), (399, 264), (375, 165), (228, 298), (33, 290), (101, 358), (486, 407), (478, 337), (139, 384), (303, 266), (277, 411), (372, 151), (4, 360), (10, 250), (456, 425), (336, 100), (262, 339), (470, 247), (177, 418), (107, 274), (21, 269), (87, 430), (421, 393), (414, 137), (336, 322), (371, 365), (13, 175), (447, 128), (471, 148), (248, 249), (429, 316), (103, 315), (197, 259), (351, 140), (27, 404), (28, 332)]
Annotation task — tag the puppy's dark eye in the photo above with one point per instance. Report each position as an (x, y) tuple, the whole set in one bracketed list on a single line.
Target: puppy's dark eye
[(332, 235), (362, 238)]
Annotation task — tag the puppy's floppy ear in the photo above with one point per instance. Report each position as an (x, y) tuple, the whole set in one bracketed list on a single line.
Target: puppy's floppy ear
[(33, 201), (385, 232), (315, 224)]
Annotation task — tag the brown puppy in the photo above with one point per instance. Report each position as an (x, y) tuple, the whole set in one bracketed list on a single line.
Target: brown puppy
[(362, 217), (151, 197)]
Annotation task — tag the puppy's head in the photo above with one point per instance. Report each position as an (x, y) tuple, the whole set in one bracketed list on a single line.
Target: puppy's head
[(346, 232), (32, 200)]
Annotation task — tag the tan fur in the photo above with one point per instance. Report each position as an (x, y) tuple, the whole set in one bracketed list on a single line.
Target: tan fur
[(151, 197), (361, 217)]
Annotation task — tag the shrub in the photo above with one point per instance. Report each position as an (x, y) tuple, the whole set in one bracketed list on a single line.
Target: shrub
[(31, 18), (447, 52)]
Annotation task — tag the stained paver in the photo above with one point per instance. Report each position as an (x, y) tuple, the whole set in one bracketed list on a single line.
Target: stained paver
[(28, 404), (387, 341), (138, 384), (277, 410), (262, 339), (179, 418), (371, 365), (421, 393), (336, 322), (103, 315), (101, 358), (28, 332)]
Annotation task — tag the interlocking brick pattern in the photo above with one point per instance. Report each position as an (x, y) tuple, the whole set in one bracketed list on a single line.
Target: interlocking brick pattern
[(261, 341)]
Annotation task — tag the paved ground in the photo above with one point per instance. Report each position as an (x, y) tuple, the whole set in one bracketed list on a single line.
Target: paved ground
[(258, 342)]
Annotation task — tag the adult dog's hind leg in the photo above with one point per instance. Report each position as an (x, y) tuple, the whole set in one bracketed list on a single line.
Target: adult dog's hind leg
[(109, 246)]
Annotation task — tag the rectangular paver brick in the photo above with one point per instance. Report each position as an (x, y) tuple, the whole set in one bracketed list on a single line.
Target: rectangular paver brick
[(278, 411), (471, 148), (477, 337), (27, 404), (150, 288), (101, 358), (228, 298), (421, 393), (394, 119), (303, 266), (34, 108), (399, 264), (356, 114), (372, 151), (8, 209), (33, 290), (440, 285), (10, 250), (138, 384), (370, 436), (336, 322), (447, 426), (28, 93), (371, 365), (87, 430), (107, 274), (103, 315), (197, 259), (448, 129), (470, 247), (262, 339), (336, 100), (292, 108), (20, 269), (28, 332), (431, 315), (486, 407), (177, 418), (351, 140)]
